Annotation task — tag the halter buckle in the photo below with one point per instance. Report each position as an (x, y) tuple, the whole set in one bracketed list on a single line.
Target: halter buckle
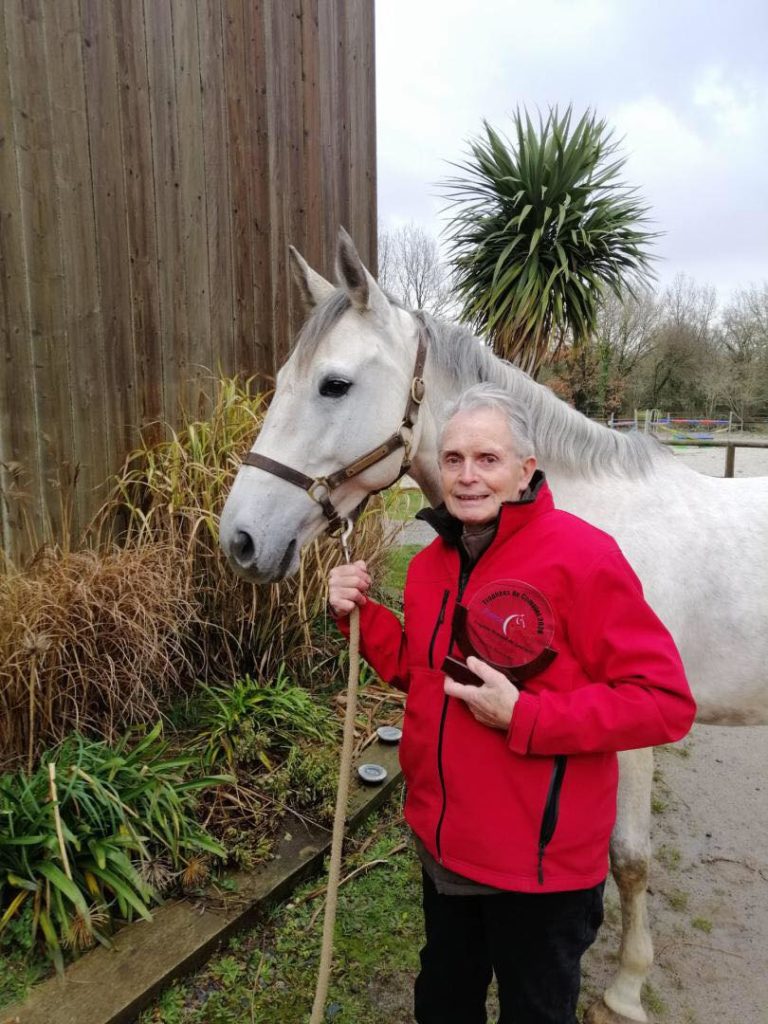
[(319, 482), (417, 390)]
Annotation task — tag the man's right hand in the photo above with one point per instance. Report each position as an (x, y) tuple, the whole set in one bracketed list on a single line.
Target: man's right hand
[(347, 586)]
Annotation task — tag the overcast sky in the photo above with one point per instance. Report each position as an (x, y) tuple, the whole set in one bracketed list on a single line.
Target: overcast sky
[(683, 82)]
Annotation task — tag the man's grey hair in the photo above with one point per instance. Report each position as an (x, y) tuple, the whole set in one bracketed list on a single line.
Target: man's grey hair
[(490, 396)]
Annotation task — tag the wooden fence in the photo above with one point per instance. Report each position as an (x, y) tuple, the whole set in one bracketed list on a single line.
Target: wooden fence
[(156, 158)]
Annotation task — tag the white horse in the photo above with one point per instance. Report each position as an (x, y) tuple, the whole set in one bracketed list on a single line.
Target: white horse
[(699, 544)]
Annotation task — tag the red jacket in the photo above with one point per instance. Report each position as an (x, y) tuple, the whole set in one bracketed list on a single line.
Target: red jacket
[(509, 809)]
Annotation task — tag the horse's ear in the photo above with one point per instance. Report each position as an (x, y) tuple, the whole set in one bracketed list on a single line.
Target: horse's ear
[(356, 281), (313, 286)]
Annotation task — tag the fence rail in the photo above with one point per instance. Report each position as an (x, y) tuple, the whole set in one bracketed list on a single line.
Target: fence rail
[(730, 447)]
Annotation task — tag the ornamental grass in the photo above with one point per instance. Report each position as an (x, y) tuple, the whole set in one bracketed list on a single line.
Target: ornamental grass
[(108, 636), (93, 642)]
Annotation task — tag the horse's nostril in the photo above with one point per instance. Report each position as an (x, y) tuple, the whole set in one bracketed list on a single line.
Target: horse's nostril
[(242, 548)]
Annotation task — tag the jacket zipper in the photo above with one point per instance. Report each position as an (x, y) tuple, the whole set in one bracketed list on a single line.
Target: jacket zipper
[(435, 631), (464, 571), (549, 817)]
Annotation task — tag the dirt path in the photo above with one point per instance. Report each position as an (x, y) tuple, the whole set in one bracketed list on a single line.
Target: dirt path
[(708, 899)]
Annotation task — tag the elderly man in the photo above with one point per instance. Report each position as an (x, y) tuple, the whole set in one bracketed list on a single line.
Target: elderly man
[(511, 774)]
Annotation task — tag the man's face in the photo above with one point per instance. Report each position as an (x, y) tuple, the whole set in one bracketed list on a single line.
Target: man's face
[(479, 467)]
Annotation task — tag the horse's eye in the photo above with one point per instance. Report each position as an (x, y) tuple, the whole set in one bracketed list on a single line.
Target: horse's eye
[(334, 387)]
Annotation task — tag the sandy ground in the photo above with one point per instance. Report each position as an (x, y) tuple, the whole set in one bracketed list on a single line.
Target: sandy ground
[(708, 892), (708, 899)]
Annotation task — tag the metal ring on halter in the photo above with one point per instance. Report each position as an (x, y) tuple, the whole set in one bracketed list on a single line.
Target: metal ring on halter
[(319, 482)]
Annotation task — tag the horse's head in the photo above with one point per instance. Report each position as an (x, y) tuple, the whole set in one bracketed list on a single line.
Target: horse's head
[(341, 392)]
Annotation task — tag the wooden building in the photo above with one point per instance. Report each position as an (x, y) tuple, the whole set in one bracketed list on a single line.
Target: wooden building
[(156, 158)]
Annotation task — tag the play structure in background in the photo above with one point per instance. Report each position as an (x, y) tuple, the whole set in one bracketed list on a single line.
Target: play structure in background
[(675, 428)]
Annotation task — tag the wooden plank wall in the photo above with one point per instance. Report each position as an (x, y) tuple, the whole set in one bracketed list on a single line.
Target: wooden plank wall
[(156, 158)]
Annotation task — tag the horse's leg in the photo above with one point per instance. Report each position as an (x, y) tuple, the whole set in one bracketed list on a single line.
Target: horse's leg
[(630, 859)]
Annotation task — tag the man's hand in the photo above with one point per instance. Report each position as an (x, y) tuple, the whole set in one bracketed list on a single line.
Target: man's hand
[(347, 586), (492, 703)]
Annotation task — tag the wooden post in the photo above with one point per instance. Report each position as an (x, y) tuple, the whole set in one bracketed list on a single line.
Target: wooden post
[(730, 459)]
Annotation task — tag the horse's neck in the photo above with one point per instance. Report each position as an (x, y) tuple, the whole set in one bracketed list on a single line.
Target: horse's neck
[(568, 445)]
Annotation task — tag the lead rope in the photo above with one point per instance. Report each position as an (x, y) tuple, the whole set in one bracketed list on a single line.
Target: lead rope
[(342, 796)]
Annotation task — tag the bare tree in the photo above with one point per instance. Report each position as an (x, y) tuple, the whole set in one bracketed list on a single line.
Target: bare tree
[(410, 269), (745, 324), (627, 328), (743, 339), (690, 307)]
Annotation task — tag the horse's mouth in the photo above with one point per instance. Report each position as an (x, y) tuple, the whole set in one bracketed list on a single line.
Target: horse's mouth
[(286, 560)]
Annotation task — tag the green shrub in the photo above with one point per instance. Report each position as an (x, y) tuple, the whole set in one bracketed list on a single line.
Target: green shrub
[(96, 834), (246, 721)]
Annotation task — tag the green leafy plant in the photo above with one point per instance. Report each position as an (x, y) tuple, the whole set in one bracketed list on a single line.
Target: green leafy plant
[(543, 225), (95, 834), (246, 721)]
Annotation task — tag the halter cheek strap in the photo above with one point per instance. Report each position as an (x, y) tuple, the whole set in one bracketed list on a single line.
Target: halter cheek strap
[(320, 488)]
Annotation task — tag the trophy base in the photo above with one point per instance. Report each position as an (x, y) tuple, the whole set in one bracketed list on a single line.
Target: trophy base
[(460, 673)]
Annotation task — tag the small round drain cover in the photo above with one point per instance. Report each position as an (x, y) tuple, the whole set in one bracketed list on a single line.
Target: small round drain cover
[(373, 774), (389, 733)]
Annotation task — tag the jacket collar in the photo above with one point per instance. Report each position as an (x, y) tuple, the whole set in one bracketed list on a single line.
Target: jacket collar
[(513, 515)]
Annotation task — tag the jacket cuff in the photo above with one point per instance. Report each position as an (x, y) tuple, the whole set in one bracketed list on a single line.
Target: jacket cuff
[(342, 624), (524, 716), (342, 621)]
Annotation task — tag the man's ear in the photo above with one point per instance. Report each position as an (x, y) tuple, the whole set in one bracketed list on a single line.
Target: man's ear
[(529, 468)]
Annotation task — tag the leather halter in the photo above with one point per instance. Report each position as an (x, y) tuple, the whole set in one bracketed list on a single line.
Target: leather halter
[(320, 488)]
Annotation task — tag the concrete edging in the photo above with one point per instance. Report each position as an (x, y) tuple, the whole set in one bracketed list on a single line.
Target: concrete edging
[(114, 986)]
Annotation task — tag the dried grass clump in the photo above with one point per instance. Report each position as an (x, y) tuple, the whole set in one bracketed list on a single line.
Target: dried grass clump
[(94, 642)]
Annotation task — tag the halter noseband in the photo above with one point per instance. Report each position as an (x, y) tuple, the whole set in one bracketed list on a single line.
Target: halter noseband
[(319, 488)]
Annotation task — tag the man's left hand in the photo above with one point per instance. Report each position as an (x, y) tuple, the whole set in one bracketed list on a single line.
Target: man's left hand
[(492, 703)]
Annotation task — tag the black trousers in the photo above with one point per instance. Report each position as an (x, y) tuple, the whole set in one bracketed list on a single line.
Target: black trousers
[(533, 943)]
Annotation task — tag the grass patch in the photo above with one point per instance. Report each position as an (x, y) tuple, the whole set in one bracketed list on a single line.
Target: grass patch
[(703, 924), (677, 899), (658, 805), (268, 974), (680, 750), (403, 503), (653, 1001), (669, 857), (396, 566)]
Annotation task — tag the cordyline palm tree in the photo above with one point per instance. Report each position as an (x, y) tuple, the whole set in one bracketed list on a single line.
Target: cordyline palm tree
[(541, 229)]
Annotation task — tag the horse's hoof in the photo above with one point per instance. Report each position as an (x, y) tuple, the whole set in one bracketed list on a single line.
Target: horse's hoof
[(599, 1013)]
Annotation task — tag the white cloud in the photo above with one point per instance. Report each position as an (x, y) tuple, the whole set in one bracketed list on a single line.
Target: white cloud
[(737, 107)]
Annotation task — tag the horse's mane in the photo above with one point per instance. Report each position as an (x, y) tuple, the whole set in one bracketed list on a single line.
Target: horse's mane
[(560, 433)]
